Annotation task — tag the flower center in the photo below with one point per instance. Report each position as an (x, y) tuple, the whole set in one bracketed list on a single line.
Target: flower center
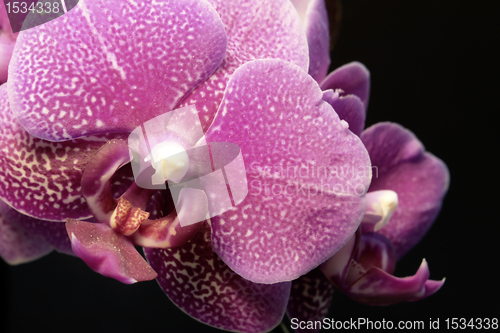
[(126, 219), (170, 161)]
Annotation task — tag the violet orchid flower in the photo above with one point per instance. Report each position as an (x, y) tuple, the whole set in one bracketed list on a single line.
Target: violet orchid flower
[(403, 201), (81, 83)]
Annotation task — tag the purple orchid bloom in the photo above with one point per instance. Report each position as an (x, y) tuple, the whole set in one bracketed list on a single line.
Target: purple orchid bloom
[(81, 83), (403, 201)]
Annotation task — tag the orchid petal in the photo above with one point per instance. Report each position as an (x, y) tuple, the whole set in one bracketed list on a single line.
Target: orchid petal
[(377, 287), (314, 17), (419, 178), (7, 43), (39, 178), (18, 244), (349, 108), (255, 30), (337, 267), (353, 78), (107, 252), (108, 66), (310, 298), (373, 250), (194, 206), (95, 181), (274, 112), (4, 19), (369, 280), (431, 287), (160, 204), (201, 285), (53, 232)]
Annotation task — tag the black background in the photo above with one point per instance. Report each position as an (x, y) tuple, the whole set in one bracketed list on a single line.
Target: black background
[(434, 70)]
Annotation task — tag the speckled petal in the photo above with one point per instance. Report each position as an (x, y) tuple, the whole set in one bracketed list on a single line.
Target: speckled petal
[(349, 108), (255, 30), (19, 245), (110, 65), (307, 174), (41, 178), (419, 178), (201, 285), (353, 78), (310, 298), (108, 252), (53, 232), (315, 20)]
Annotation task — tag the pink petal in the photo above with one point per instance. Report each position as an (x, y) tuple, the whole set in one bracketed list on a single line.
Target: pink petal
[(377, 287), (96, 179), (201, 285), (349, 108), (310, 298), (110, 65), (419, 178), (39, 178), (337, 267), (314, 17), (431, 287), (274, 111), (6, 48), (7, 42), (17, 244), (255, 30), (373, 250), (353, 78), (53, 233), (108, 252)]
